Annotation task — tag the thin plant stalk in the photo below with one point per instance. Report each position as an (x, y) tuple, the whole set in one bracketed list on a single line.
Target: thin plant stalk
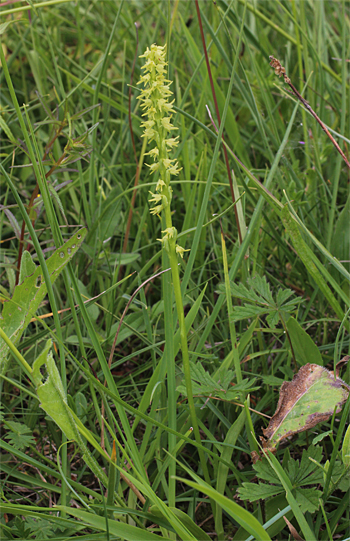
[(229, 174), (280, 70), (158, 111)]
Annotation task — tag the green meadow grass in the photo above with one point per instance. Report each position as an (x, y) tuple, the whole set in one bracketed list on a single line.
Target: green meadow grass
[(68, 107)]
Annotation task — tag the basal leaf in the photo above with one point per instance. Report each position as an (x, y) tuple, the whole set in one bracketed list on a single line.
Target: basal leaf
[(28, 266), (28, 295), (42, 529), (203, 384), (310, 398), (51, 394)]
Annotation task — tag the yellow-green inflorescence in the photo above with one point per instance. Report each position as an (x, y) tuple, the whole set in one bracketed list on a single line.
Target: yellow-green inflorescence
[(158, 111)]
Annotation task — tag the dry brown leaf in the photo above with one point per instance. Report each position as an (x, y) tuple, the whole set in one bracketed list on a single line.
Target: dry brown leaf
[(293, 530)]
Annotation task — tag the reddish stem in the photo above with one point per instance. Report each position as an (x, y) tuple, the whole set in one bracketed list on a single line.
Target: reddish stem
[(218, 117)]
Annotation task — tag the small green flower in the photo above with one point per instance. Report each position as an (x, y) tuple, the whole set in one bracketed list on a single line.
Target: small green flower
[(156, 210), (154, 167), (179, 250), (170, 233), (155, 197)]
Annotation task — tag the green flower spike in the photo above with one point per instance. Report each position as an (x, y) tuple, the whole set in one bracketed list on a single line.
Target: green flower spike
[(157, 125)]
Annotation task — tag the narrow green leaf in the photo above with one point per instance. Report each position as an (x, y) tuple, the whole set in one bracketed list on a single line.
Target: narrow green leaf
[(115, 527), (307, 256), (229, 443), (238, 513), (345, 450)]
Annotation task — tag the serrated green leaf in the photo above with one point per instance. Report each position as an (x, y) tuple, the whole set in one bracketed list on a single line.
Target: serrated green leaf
[(307, 471), (247, 311), (203, 384), (266, 472), (241, 292), (262, 287), (41, 528), (272, 319), (308, 499), (20, 436), (283, 295), (253, 492)]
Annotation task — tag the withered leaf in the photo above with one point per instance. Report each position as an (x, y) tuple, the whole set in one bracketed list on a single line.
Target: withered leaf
[(309, 399), (293, 530)]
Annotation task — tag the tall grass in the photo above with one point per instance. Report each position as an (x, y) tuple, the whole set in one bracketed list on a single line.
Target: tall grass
[(71, 64)]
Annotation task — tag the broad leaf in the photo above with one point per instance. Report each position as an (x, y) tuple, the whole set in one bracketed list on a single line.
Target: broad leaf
[(304, 348), (51, 393), (310, 398), (54, 402), (28, 266), (28, 295)]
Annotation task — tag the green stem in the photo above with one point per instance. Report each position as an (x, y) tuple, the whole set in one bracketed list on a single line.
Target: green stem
[(16, 353), (184, 348)]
